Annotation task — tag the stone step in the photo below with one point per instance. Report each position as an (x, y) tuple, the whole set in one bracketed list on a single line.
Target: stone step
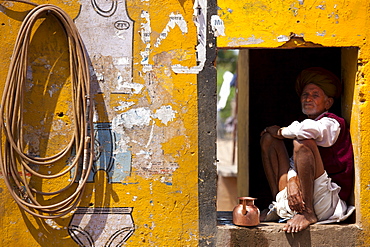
[(271, 234)]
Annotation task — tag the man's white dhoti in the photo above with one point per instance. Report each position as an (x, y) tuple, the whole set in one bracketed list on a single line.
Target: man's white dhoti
[(327, 204)]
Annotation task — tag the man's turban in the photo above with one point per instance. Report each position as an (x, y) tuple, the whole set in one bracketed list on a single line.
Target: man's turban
[(323, 78)]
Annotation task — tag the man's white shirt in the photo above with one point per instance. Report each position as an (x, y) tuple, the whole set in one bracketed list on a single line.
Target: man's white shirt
[(324, 131)]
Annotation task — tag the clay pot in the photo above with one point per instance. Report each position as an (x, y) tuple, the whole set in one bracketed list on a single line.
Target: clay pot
[(246, 213)]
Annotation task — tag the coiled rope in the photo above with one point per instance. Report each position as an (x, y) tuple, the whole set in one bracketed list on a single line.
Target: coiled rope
[(14, 162)]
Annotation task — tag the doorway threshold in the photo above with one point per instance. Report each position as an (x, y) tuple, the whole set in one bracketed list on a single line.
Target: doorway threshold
[(271, 234)]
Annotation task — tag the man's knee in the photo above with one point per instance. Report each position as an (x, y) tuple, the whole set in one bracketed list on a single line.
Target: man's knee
[(307, 156), (266, 140), (304, 146)]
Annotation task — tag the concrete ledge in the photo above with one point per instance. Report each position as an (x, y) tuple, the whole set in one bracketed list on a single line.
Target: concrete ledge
[(271, 234)]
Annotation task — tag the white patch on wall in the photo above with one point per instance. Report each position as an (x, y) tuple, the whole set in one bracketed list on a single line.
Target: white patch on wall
[(150, 135), (283, 38), (165, 114), (52, 224), (218, 26), (128, 87), (145, 33), (140, 117), (123, 105), (99, 76), (322, 34), (122, 139), (145, 154), (134, 117), (249, 41), (124, 61), (321, 6), (175, 19)]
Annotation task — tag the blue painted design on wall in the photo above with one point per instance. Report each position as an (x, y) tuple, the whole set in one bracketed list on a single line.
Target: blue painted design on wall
[(117, 166)]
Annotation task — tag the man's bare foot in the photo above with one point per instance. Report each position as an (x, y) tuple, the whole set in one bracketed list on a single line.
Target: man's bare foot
[(300, 222)]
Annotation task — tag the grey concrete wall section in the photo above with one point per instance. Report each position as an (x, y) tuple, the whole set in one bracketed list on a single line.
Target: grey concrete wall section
[(207, 173)]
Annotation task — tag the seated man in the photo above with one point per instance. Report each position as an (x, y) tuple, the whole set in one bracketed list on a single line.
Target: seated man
[(315, 184)]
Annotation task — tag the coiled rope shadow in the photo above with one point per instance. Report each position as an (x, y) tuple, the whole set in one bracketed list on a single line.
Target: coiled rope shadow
[(14, 162)]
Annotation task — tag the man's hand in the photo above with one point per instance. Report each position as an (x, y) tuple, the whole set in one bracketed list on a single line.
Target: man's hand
[(273, 131), (295, 199)]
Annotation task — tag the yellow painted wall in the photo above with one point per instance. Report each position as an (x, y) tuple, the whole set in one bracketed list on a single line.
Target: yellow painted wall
[(154, 117), (271, 24)]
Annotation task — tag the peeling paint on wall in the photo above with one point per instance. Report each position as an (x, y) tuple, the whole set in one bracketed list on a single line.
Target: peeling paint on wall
[(323, 33), (283, 38), (175, 19), (145, 123), (242, 41), (145, 32), (123, 105), (133, 117), (165, 114), (200, 20), (217, 26)]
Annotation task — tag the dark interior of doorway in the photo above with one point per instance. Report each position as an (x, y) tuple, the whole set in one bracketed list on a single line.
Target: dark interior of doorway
[(273, 100)]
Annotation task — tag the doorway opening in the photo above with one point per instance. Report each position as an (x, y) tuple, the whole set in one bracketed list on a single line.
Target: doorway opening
[(227, 129), (265, 95)]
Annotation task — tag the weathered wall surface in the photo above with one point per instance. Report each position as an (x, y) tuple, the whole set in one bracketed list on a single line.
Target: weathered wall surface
[(145, 57), (271, 24)]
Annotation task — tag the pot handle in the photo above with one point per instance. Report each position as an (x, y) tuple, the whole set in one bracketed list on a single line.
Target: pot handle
[(244, 210)]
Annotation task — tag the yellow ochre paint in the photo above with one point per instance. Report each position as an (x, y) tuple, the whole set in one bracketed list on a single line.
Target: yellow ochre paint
[(162, 187)]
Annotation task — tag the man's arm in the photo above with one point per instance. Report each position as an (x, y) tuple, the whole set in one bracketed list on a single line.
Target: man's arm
[(324, 131), (274, 131)]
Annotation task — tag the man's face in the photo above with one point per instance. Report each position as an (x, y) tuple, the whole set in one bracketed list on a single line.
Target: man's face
[(314, 101)]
